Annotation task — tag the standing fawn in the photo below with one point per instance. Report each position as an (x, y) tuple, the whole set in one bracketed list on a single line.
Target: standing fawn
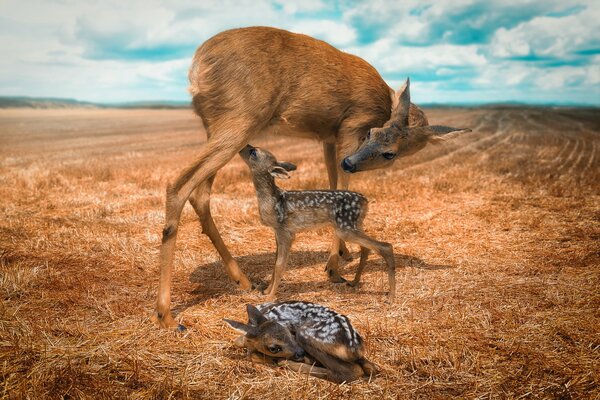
[(302, 335), (288, 212), (250, 81)]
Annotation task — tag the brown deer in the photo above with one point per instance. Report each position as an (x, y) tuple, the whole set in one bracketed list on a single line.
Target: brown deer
[(249, 81), (306, 337), (288, 212)]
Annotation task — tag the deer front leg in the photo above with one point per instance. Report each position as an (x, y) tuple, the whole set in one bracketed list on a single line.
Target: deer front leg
[(338, 247), (213, 156), (200, 201), (284, 243)]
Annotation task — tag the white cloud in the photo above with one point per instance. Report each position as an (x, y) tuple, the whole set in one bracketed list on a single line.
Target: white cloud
[(336, 33), (388, 57), (549, 36)]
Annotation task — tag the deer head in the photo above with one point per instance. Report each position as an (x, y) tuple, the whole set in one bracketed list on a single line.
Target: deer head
[(396, 139), (267, 337)]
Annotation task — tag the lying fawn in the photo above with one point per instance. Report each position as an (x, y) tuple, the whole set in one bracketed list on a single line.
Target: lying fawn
[(288, 212), (306, 337)]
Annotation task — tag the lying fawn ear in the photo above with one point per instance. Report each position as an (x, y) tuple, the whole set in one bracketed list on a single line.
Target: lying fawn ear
[(288, 166), (240, 327), (279, 172), (438, 134), (255, 317)]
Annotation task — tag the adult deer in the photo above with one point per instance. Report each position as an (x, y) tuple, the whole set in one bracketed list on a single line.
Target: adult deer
[(249, 81)]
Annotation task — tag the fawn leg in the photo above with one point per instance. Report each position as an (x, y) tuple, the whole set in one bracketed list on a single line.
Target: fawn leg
[(284, 243), (385, 250), (200, 201), (364, 255), (337, 369), (303, 368)]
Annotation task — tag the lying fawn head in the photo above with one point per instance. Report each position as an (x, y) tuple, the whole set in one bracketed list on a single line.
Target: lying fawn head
[(396, 139), (267, 336), (262, 161)]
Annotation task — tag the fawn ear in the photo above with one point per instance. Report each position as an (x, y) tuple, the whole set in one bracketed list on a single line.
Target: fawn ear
[(279, 172), (255, 317), (240, 327), (438, 133), (288, 166)]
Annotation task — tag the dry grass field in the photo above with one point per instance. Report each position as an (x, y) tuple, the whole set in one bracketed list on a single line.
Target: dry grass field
[(496, 234)]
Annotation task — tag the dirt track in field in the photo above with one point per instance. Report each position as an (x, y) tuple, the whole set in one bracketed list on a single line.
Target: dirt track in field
[(496, 235)]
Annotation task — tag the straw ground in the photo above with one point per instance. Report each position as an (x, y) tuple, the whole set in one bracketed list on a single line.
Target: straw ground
[(496, 236)]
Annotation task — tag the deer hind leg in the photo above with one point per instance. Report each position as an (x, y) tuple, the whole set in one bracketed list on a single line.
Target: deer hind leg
[(338, 370), (213, 156), (385, 250), (364, 255), (200, 201), (338, 247)]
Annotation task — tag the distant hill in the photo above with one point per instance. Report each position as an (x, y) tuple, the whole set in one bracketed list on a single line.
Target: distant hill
[(52, 102)]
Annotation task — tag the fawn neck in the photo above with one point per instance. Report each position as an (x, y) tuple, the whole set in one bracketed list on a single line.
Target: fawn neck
[(268, 196)]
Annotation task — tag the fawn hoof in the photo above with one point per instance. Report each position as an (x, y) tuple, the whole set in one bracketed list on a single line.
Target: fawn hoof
[(352, 284)]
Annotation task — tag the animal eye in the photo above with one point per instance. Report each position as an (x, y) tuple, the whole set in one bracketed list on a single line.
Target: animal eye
[(274, 349), (389, 156), (368, 134), (253, 153)]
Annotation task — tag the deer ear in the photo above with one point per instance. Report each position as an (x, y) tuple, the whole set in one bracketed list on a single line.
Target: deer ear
[(437, 134), (240, 327), (255, 317), (279, 172), (401, 104), (288, 166)]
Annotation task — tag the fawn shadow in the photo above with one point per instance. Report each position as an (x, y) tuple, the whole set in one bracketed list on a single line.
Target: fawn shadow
[(213, 281)]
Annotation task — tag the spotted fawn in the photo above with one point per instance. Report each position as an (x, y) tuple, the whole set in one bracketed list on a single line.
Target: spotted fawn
[(306, 337), (288, 212)]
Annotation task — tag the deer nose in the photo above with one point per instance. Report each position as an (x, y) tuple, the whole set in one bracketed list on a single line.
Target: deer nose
[(299, 355), (348, 166)]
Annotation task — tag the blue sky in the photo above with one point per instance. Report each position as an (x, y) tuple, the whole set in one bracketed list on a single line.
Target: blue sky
[(460, 51)]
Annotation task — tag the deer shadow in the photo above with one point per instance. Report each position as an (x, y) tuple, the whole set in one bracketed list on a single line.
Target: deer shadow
[(213, 281)]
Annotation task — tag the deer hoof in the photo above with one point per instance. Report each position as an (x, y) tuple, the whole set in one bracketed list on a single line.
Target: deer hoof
[(335, 277), (260, 286)]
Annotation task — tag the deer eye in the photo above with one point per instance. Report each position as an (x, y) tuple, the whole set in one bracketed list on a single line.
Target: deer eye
[(368, 135), (253, 153), (389, 156), (274, 348)]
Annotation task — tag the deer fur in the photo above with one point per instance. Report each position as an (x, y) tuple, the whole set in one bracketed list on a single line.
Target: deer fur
[(306, 337), (250, 81), (289, 212)]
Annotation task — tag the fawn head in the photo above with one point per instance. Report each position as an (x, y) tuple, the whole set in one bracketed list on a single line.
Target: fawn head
[(261, 161), (396, 139), (267, 337)]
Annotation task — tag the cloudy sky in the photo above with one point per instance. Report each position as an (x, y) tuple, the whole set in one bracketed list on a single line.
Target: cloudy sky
[(459, 51)]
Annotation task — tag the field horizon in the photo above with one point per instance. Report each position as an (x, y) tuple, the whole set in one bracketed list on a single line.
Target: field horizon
[(495, 235)]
